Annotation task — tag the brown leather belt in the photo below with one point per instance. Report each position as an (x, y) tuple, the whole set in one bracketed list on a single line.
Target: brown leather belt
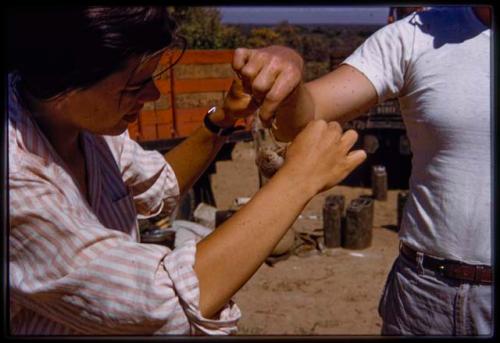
[(480, 274)]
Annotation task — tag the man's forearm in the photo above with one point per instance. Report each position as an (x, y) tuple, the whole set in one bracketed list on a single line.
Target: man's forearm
[(294, 113), (341, 95)]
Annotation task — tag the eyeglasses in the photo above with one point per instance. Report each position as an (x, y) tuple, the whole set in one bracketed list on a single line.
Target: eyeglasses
[(170, 56)]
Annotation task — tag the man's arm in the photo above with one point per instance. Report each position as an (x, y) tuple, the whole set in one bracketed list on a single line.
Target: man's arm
[(341, 95)]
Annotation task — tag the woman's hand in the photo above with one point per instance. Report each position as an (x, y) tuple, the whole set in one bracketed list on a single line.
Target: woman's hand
[(237, 104), (320, 156)]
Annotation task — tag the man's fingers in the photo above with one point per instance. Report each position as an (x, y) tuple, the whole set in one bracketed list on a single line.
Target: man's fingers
[(240, 58), (246, 67), (266, 78), (266, 117), (282, 87), (252, 68)]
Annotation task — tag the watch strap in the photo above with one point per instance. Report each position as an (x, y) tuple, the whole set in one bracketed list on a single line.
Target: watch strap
[(214, 128)]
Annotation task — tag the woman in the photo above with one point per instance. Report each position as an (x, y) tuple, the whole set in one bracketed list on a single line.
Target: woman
[(77, 181)]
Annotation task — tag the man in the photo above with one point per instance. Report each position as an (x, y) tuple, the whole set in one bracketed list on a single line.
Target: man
[(437, 62)]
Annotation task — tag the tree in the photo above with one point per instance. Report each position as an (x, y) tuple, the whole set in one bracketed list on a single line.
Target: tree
[(290, 35), (232, 37), (315, 47), (202, 28), (263, 36)]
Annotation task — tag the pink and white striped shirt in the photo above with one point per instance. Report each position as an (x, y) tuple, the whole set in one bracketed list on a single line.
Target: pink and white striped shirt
[(78, 268)]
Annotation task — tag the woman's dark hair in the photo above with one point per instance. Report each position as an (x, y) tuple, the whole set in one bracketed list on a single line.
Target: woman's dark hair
[(56, 49)]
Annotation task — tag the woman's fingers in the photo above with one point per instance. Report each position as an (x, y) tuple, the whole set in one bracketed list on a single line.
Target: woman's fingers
[(355, 158), (348, 139)]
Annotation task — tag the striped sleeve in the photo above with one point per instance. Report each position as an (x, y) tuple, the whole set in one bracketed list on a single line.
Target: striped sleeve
[(150, 178), (65, 266)]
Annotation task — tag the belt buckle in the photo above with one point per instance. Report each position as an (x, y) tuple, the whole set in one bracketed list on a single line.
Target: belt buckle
[(442, 269), (450, 270)]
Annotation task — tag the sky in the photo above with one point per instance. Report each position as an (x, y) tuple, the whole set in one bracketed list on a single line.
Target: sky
[(304, 15)]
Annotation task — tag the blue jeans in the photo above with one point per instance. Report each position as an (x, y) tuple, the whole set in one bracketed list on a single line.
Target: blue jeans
[(419, 301)]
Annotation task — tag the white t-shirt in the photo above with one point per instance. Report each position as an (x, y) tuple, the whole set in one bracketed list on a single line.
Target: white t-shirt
[(438, 64)]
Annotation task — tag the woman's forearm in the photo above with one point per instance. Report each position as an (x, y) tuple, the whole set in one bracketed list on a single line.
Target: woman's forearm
[(190, 158), (318, 158), (227, 258)]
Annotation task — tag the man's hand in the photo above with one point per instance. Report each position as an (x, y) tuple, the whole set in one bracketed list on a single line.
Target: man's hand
[(269, 75)]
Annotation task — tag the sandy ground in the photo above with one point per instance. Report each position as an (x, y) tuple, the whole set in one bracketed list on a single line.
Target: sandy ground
[(333, 292)]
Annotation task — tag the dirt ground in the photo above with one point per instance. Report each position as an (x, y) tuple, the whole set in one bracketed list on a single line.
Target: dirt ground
[(333, 292)]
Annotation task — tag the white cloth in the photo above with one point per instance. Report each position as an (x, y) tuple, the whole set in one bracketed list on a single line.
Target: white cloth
[(438, 64), (186, 231)]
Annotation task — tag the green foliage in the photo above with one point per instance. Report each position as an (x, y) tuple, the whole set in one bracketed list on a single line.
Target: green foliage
[(315, 47), (232, 37), (202, 28), (291, 35), (263, 36)]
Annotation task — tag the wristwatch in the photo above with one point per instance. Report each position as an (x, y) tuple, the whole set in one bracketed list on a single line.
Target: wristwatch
[(214, 128)]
